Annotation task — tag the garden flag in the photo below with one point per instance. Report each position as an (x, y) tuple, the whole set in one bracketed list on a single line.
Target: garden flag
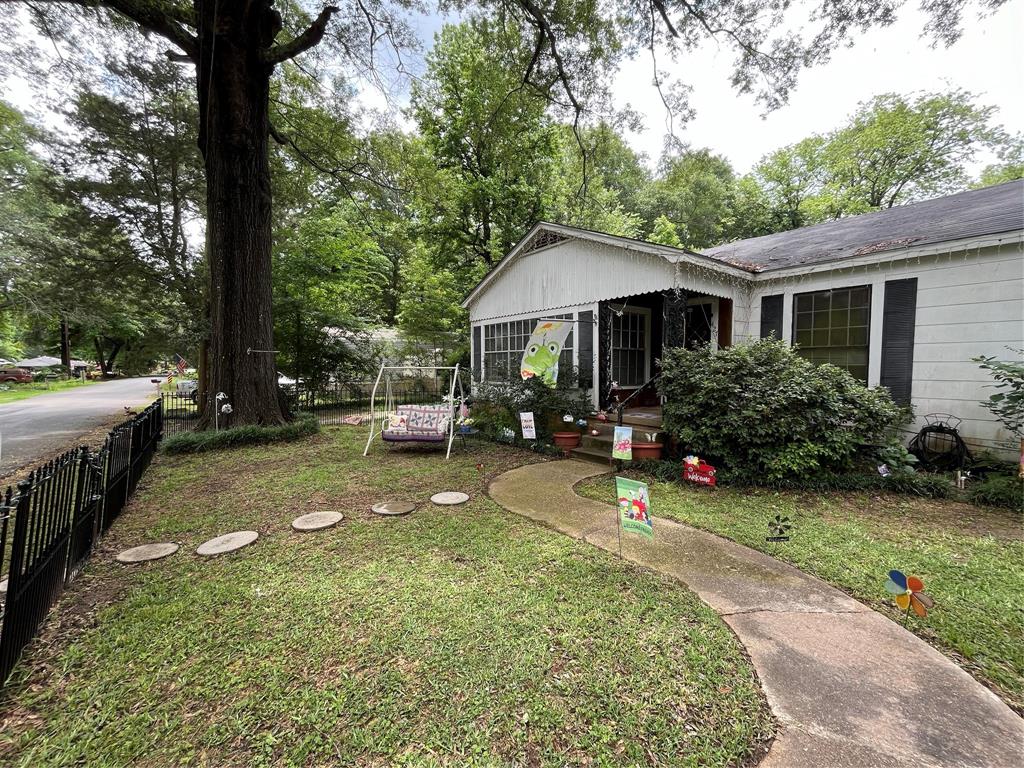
[(634, 506), (529, 427), (540, 358), (622, 443)]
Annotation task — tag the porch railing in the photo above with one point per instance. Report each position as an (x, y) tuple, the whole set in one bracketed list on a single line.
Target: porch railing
[(623, 403)]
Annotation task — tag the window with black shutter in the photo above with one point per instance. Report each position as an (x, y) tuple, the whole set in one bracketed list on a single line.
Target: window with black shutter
[(586, 349), (899, 316), (834, 327), (771, 316), (477, 352)]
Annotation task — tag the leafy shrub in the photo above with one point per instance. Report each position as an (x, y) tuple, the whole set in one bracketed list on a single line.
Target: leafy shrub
[(199, 442), (1007, 405), (765, 413), (999, 491), (497, 405)]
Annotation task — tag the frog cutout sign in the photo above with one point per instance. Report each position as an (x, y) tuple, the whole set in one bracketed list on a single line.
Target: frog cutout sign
[(540, 358)]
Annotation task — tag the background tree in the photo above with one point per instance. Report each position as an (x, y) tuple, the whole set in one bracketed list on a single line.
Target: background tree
[(694, 190)]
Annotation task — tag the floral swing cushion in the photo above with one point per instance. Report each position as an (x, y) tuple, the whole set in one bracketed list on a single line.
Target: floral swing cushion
[(419, 423)]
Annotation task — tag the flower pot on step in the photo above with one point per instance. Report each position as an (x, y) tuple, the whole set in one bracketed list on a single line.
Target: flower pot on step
[(647, 450), (566, 441)]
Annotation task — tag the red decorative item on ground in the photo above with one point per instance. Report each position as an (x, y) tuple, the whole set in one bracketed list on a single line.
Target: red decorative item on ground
[(697, 471)]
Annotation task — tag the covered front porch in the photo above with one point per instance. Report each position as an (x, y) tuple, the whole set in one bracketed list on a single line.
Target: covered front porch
[(634, 332)]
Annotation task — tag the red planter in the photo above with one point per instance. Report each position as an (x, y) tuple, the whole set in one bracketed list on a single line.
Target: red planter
[(566, 441), (647, 450)]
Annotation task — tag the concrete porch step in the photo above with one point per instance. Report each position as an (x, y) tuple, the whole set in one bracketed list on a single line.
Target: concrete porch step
[(594, 455)]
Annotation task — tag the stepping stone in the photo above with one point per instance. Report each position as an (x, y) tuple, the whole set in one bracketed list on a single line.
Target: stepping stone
[(450, 498), (3, 587), (316, 521), (393, 508), (147, 552), (229, 542)]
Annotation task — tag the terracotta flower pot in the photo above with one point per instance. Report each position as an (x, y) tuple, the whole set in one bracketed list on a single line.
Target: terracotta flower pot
[(566, 440), (647, 450)]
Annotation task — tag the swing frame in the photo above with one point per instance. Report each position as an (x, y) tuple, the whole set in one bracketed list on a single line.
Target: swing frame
[(456, 383)]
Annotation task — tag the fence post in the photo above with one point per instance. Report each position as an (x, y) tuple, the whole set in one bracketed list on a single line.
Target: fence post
[(81, 488), (10, 646)]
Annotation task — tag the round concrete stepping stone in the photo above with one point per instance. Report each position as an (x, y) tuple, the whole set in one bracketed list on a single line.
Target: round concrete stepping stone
[(229, 542), (393, 508), (147, 552), (316, 521), (450, 498)]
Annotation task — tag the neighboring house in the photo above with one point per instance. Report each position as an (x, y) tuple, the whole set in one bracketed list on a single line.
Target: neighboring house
[(903, 298)]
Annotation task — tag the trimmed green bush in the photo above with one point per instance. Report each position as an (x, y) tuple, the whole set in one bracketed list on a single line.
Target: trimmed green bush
[(497, 405), (198, 442), (998, 491), (764, 413)]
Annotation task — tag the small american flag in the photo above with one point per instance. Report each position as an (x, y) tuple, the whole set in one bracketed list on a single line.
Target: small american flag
[(180, 364)]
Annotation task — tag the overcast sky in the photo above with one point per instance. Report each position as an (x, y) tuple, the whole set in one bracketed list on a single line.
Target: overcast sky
[(987, 61)]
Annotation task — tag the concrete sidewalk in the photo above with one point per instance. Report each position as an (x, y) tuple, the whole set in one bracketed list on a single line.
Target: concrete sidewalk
[(848, 686)]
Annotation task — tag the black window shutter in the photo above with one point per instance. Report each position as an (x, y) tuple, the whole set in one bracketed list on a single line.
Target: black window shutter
[(771, 316), (585, 348), (899, 316), (477, 352)]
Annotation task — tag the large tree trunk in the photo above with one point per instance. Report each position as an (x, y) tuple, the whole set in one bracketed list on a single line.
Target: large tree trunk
[(65, 343), (234, 86)]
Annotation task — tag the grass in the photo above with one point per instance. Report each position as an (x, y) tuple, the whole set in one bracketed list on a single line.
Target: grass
[(21, 391), (454, 636), (971, 559)]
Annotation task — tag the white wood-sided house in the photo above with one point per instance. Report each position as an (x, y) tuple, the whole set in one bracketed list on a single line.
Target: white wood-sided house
[(903, 298)]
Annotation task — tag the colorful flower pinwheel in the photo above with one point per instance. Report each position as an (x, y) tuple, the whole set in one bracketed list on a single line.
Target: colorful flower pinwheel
[(908, 592)]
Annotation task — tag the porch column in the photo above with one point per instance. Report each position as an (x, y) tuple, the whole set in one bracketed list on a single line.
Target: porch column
[(674, 314), (604, 353)]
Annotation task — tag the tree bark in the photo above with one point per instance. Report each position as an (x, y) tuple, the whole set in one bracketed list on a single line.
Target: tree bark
[(65, 343), (233, 83)]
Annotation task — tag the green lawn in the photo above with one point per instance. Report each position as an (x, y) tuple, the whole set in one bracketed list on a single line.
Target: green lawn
[(455, 636), (21, 391), (971, 560)]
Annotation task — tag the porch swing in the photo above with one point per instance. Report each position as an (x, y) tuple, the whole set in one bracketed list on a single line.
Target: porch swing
[(415, 423)]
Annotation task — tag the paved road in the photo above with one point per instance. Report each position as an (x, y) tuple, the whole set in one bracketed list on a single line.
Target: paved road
[(38, 426)]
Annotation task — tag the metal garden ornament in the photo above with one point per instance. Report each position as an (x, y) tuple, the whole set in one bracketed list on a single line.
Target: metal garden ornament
[(779, 528)]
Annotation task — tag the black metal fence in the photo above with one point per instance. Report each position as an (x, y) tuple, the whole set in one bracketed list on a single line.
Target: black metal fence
[(50, 521), (332, 403)]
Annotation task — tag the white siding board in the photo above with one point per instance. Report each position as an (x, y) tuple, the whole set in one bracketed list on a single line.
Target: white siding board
[(969, 314), (977, 293), (1005, 331)]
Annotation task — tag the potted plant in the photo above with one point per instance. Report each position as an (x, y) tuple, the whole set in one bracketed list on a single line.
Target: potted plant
[(651, 449), (569, 436)]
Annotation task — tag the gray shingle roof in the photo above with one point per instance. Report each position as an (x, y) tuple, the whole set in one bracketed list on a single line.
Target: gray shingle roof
[(975, 213)]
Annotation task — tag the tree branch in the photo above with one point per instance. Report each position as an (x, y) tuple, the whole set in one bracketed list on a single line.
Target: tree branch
[(313, 34)]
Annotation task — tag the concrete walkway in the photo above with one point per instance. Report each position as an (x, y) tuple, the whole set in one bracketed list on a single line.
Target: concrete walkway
[(848, 686)]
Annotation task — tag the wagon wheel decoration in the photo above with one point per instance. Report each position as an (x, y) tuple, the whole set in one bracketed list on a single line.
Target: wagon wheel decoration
[(908, 591)]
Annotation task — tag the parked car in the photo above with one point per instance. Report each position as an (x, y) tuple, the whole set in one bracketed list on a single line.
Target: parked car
[(16, 375)]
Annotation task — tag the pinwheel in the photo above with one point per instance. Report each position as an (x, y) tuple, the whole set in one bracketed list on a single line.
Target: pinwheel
[(779, 528), (908, 592)]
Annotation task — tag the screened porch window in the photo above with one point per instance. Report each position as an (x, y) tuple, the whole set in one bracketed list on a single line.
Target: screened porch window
[(504, 344), (833, 327), (629, 348)]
